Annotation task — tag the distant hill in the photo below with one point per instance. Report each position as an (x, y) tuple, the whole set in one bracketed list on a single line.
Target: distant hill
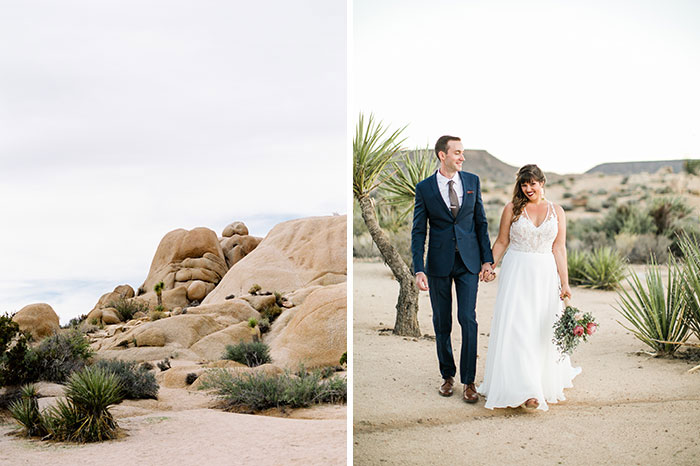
[(485, 165), (631, 168)]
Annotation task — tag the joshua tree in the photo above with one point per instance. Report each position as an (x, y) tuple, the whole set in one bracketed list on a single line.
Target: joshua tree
[(372, 150), (159, 293), (414, 166)]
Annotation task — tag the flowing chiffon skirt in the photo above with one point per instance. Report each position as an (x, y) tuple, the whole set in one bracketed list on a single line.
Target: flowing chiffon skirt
[(522, 361)]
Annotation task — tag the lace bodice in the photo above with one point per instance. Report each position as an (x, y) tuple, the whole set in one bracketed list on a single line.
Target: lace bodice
[(526, 237)]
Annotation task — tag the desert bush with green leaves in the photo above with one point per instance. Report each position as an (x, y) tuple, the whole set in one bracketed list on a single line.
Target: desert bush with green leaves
[(14, 347), (135, 380), (58, 356), (251, 354), (128, 307), (655, 314), (256, 392), (603, 268)]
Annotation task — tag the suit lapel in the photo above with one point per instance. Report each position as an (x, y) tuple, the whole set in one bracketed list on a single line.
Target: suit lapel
[(436, 194), (463, 177)]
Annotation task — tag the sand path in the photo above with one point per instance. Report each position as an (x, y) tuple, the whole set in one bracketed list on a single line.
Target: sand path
[(625, 408), (180, 429)]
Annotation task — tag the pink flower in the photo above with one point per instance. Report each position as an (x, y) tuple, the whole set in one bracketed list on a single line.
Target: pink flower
[(591, 328), (578, 330)]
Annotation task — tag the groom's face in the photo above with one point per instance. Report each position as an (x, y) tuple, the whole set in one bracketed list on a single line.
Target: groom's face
[(453, 159)]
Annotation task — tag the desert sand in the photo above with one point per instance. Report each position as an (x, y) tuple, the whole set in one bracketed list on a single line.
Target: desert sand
[(626, 407), (182, 429)]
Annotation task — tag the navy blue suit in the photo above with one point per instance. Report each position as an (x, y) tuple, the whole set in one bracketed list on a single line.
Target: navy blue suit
[(457, 247)]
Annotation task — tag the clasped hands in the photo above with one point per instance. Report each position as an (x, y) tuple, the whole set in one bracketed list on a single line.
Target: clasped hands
[(485, 275)]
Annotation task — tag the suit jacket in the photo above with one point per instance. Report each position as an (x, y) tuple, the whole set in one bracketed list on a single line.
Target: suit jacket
[(468, 232)]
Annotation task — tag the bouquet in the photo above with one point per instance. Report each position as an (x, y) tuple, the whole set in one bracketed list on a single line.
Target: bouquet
[(572, 327)]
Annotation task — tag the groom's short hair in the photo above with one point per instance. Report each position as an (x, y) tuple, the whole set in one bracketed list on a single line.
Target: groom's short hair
[(442, 143)]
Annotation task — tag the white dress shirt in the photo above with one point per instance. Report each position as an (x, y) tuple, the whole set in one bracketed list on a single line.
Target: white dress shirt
[(445, 189)]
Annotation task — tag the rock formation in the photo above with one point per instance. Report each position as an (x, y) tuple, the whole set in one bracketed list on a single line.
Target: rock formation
[(38, 319)]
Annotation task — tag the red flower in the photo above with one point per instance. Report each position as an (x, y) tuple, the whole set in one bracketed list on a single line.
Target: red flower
[(578, 330), (591, 328)]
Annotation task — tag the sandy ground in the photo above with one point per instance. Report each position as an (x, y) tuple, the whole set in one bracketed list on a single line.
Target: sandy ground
[(181, 429), (625, 408)]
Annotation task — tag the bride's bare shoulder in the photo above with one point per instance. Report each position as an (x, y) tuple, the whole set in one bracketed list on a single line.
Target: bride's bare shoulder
[(558, 209)]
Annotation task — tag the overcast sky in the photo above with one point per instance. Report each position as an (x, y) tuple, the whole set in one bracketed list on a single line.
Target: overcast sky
[(561, 83), (123, 120)]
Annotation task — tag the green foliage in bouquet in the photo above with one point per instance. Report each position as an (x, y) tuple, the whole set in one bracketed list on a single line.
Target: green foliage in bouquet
[(571, 328)]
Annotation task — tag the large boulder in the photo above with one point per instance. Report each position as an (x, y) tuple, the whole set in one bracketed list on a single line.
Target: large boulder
[(231, 311), (178, 332), (184, 257), (38, 319), (314, 333), (237, 246), (294, 254)]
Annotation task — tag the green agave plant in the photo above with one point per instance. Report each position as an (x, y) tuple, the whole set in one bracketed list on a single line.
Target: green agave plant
[(691, 281), (576, 262), (604, 269), (655, 316)]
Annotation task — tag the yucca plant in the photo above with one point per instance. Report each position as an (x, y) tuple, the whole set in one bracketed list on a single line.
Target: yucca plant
[(691, 281), (373, 147), (604, 269), (158, 288), (576, 261), (26, 412), (655, 315), (412, 168), (85, 416)]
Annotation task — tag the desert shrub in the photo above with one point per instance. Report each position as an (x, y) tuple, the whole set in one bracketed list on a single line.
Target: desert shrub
[(567, 195), (128, 307), (254, 289), (655, 315), (190, 378), (271, 312), (252, 322), (638, 248), (75, 321), (692, 167), (363, 246), (84, 416), (691, 281), (156, 315), (585, 235), (258, 391), (58, 356), (627, 218), (666, 211), (164, 365), (26, 412), (576, 262), (14, 348), (136, 381), (344, 358), (264, 325), (604, 269), (279, 299), (251, 354)]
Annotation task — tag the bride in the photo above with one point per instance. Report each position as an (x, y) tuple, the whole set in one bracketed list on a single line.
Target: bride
[(523, 366)]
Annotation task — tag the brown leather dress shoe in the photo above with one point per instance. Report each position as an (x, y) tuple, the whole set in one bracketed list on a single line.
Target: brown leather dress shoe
[(470, 395), (446, 387)]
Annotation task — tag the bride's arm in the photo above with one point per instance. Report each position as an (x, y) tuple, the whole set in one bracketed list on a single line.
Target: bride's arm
[(503, 239), (559, 250)]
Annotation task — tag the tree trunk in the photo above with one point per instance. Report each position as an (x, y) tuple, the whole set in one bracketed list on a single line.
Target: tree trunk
[(407, 305)]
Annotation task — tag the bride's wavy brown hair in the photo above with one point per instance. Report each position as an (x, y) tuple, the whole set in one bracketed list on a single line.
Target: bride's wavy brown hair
[(526, 174)]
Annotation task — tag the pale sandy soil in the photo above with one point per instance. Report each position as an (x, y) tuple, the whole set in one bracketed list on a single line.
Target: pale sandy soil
[(625, 408), (180, 429)]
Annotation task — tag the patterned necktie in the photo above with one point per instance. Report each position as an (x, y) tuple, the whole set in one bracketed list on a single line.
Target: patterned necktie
[(454, 200)]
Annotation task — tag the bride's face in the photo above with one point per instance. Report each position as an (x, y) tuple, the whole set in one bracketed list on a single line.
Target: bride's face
[(532, 190)]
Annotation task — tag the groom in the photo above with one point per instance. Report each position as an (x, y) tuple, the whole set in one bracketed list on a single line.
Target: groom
[(459, 251)]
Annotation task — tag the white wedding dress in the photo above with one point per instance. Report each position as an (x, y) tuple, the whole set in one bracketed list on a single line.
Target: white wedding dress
[(522, 362)]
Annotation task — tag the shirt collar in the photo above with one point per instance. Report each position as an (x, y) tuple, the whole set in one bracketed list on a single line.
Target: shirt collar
[(442, 179)]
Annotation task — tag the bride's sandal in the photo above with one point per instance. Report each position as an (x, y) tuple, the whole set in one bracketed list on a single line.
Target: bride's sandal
[(531, 403)]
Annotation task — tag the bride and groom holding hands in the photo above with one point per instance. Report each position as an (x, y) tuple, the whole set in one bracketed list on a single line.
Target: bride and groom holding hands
[(523, 366)]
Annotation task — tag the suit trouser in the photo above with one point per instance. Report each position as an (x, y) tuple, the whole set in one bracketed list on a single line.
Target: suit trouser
[(466, 285)]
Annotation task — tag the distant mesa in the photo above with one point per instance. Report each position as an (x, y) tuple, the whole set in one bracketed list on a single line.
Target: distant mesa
[(633, 168)]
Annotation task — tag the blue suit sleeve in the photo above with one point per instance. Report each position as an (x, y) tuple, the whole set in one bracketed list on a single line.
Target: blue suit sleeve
[(482, 227), (418, 232)]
